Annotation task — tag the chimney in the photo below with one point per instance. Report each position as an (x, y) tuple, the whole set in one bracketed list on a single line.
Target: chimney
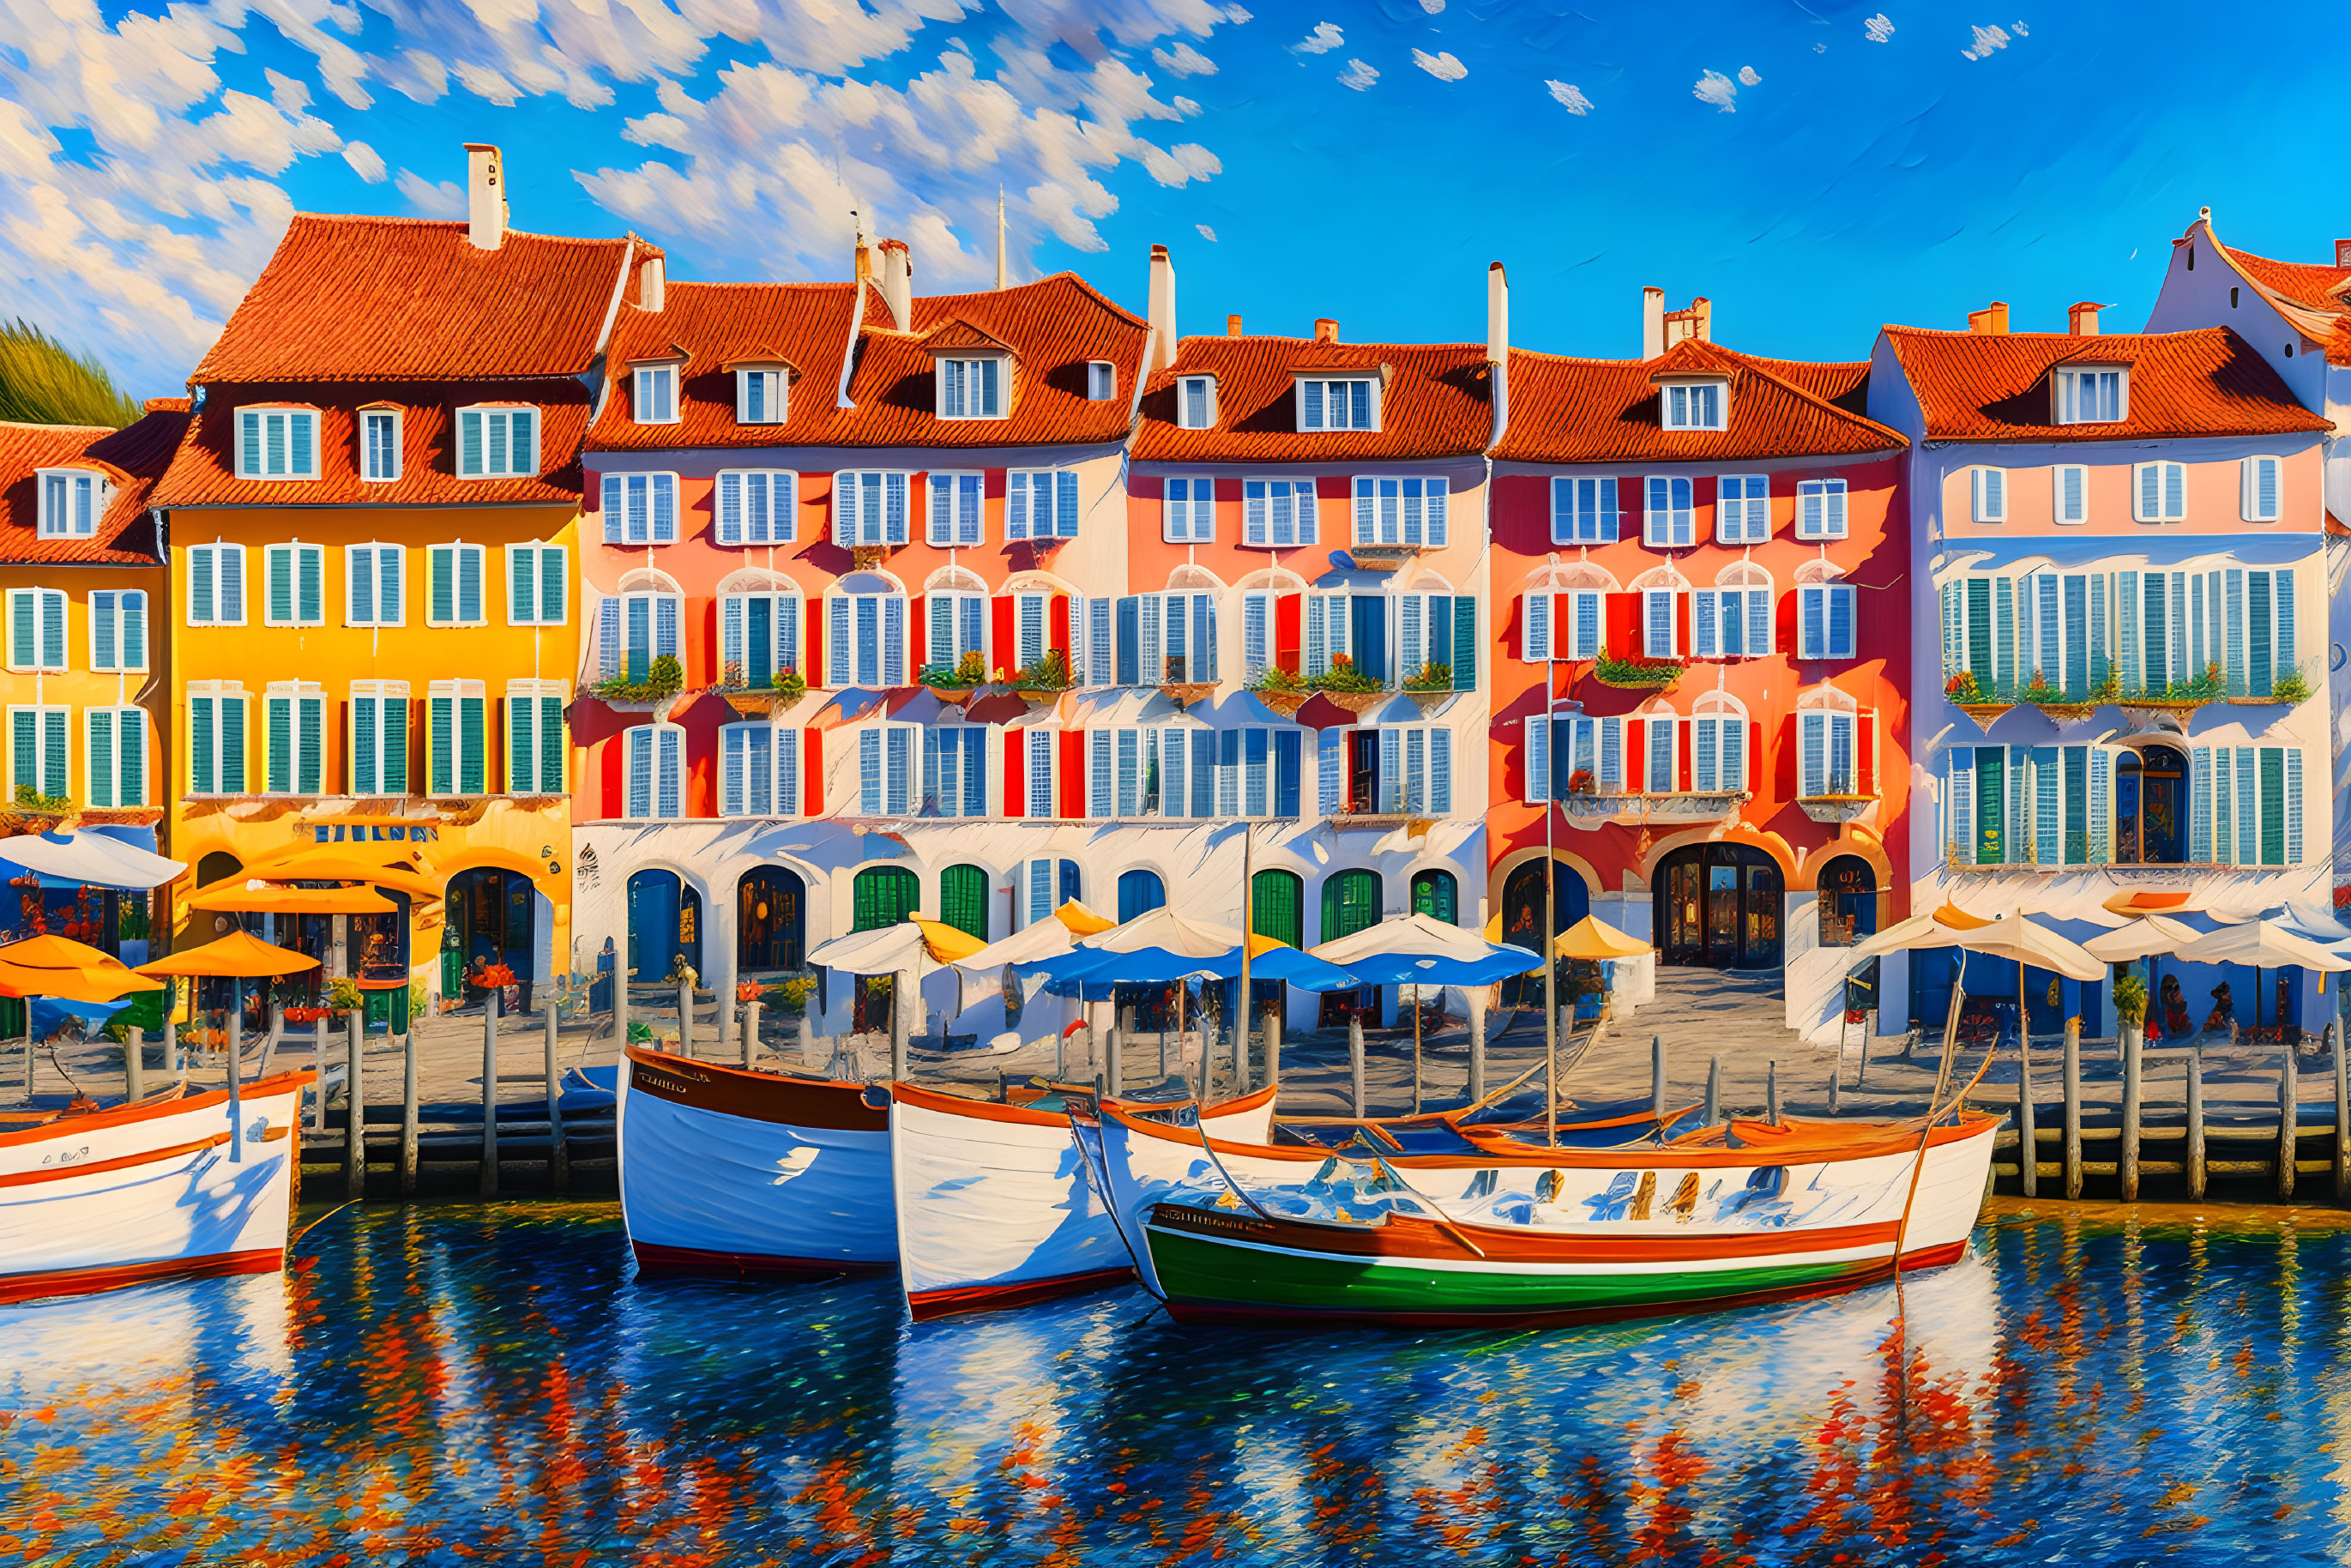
[(1498, 315), (2082, 319), (651, 273), (895, 273), (485, 196), (2342, 253), (1653, 322), (1232, 325), (1325, 329), (1992, 318), (1163, 308), (1695, 322), (861, 269)]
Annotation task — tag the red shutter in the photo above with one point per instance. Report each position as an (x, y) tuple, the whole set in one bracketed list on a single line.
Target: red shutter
[(1636, 757), (1287, 639), (1016, 771), (612, 765), (1056, 625), (812, 769), (1682, 624), (1682, 759), (1624, 622), (1864, 752), (1073, 773), (918, 607), (1006, 648), (1632, 500), (812, 645)]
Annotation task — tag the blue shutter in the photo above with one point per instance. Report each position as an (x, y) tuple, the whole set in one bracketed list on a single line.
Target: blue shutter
[(893, 641), (665, 626), (1538, 751), (469, 441), (640, 759), (469, 583), (554, 592)]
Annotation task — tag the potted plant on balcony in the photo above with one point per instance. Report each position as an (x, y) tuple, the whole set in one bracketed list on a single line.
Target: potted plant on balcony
[(2177, 699), (1430, 686), (955, 680), (1279, 690), (2289, 689), (1971, 700), (1347, 687), (1636, 671), (1581, 782), (1044, 680), (663, 679)]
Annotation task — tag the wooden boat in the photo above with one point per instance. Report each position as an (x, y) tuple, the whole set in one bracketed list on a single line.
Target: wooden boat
[(166, 1188), (1521, 1235)]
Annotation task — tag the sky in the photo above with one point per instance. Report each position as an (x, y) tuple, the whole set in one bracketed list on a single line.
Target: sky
[(1815, 168)]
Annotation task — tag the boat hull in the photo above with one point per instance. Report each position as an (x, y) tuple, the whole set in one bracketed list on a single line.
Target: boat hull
[(149, 1192), (733, 1175)]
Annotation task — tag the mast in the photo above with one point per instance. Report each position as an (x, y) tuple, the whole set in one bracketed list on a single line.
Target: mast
[(1002, 279)]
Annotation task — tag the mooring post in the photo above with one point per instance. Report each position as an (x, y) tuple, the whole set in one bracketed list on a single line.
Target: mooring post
[(2195, 1123), (134, 1063), (490, 1092), (1657, 1077), (354, 1104), (1477, 1047), (2342, 1115), (277, 1033), (1355, 1060), (408, 1114), (2028, 1119), (750, 1034), (685, 1017), (620, 1008), (236, 1094), (1113, 1065), (2133, 1045), (1771, 1090), (2073, 1107), (2287, 1130), (1273, 1044), (902, 1022), (1714, 1090), (558, 1158), (806, 1033)]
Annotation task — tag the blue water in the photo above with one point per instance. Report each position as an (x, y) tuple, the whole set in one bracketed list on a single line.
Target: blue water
[(464, 1384)]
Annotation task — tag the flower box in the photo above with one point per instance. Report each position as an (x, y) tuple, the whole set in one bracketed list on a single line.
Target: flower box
[(1285, 703), (1985, 713), (2064, 712), (1354, 702), (1835, 808), (1184, 694), (1429, 699)]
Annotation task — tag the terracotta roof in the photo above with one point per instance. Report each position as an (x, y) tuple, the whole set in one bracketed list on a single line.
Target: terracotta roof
[(132, 457), (367, 298), (1054, 325), (203, 472), (2313, 284), (961, 334), (1437, 402), (1994, 386), (1606, 411)]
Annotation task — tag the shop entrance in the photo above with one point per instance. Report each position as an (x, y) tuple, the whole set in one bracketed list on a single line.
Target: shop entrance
[(492, 920), (1717, 907)]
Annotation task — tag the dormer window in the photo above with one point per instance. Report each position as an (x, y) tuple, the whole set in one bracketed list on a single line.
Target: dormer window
[(971, 389), (497, 442), (761, 394), (1196, 402), (1101, 380), (278, 444), (1695, 406), (71, 502), (2092, 395), (1325, 404), (380, 444), (654, 396)]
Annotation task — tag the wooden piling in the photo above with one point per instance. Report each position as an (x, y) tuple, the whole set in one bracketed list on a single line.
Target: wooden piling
[(685, 1015), (1657, 1076), (750, 1026), (1477, 1049), (2072, 1108), (354, 1106), (1113, 1062), (277, 1033), (2133, 1043), (2287, 1099), (620, 1005), (490, 1093), (902, 1002), (1356, 1060), (134, 1063), (1714, 1091), (2028, 1129), (1771, 1090), (559, 1153), (235, 1041), (2195, 1125), (1273, 1044), (408, 1115), (2342, 1116)]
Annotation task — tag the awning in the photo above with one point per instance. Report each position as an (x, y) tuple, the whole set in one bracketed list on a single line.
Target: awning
[(242, 895), (339, 863), (895, 949), (2256, 945), (239, 954), (2010, 936), (2149, 936), (64, 969), (1040, 938), (84, 859)]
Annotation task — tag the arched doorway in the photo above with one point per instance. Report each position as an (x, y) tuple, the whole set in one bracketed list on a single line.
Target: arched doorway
[(963, 900), (1278, 907), (1437, 895), (664, 925), (1522, 900), (1140, 892), (770, 920), (488, 919), (1351, 902), (1717, 907), (883, 896), (2150, 807)]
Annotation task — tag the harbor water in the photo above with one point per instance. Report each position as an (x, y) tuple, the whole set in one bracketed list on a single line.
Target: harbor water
[(469, 1385)]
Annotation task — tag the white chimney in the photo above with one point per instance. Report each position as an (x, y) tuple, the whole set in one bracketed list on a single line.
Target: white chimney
[(895, 274), (485, 196), (1498, 316), (2082, 318), (1162, 314), (652, 276), (1653, 322)]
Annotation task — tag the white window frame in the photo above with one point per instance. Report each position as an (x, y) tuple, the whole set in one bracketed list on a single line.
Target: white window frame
[(1101, 380), (214, 556), (2079, 474), (1668, 646), (665, 633), (539, 555), (1821, 508), (639, 506), (375, 553), (929, 793), (52, 627), (1602, 739), (887, 659), (1401, 509), (1742, 596), (379, 779), (944, 610), (955, 509), (1040, 751), (1826, 595), (787, 622), (536, 698), (736, 493), (1025, 488), (1752, 512), (107, 658), (1314, 409), (1577, 514), (1190, 519), (1259, 508), (115, 721), (371, 471), (1834, 729), (218, 693), (72, 502), (497, 415), (1186, 388), (663, 746), (456, 691), (781, 773), (255, 419), (297, 552), (2066, 390), (460, 550), (2171, 492), (1988, 494), (1678, 528), (876, 746), (775, 394), (2248, 486), (888, 521), (44, 733), (1678, 408), (974, 386), (653, 392)]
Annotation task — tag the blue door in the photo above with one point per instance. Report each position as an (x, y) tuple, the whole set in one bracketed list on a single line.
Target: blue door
[(664, 923)]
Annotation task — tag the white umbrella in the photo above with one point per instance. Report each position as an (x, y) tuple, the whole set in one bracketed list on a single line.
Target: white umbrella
[(92, 859), (1033, 943), (2261, 944), (2013, 937), (2149, 936)]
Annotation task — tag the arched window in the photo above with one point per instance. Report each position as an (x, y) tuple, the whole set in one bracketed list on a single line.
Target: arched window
[(770, 920), (883, 896), (1139, 893), (963, 900), (2151, 806), (1848, 888), (1278, 907), (639, 624), (1351, 901), (954, 618), (1437, 895), (865, 631), (759, 628), (1732, 620), (1660, 590), (1563, 612)]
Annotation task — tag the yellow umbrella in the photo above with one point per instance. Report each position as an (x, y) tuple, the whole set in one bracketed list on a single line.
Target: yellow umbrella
[(254, 897), (323, 864), (68, 970), (946, 943), (1083, 921), (240, 955), (1590, 938)]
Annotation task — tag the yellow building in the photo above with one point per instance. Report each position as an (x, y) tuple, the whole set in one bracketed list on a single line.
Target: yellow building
[(374, 627)]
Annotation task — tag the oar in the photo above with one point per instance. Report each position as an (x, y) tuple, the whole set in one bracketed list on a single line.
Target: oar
[(1435, 1215)]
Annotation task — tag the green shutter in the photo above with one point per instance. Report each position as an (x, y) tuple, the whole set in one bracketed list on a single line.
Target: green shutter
[(522, 595), (364, 712), (520, 752), (232, 746), (474, 753), (883, 896), (963, 900), (24, 629), (309, 777), (440, 762), (551, 746), (444, 585), (394, 725), (469, 583), (277, 566), (25, 748), (1992, 805), (1275, 907), (551, 585), (2273, 777), (1464, 644), (201, 780), (280, 743), (54, 752), (101, 758), (130, 757), (1980, 632), (469, 441), (312, 564)]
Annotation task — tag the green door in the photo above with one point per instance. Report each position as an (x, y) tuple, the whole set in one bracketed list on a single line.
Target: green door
[(1277, 907), (1435, 893), (963, 900), (1351, 901), (883, 896)]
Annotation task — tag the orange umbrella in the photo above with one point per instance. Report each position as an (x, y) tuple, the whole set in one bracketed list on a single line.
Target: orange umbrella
[(240, 955), (60, 967), (254, 897), (336, 862)]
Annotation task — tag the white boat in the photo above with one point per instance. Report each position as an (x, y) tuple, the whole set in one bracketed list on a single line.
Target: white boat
[(164, 1188), (996, 1205)]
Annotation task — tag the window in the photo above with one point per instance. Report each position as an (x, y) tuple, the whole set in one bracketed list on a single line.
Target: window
[(1139, 893), (1050, 884), (1389, 771), (640, 508), (276, 444), (1030, 640), (380, 444), (754, 506), (653, 769), (1278, 513), (2070, 496), (39, 751), (1101, 380), (1039, 775), (2091, 396), (2047, 806), (536, 744), (72, 500), (379, 759), (215, 738), (537, 592), (954, 771), (2261, 482), (1559, 748), (1040, 504), (294, 577), (1717, 747), (1583, 511), (1400, 512), (869, 508), (2159, 492), (117, 753), (1660, 623), (1188, 515), (217, 585), (1730, 622), (1258, 611), (1424, 633), (2246, 805), (37, 629), (954, 624), (118, 629), (1742, 509), (886, 768), (865, 640), (453, 586), (1196, 402), (971, 389), (456, 740), (654, 400), (1337, 405), (1253, 771), (635, 629), (1824, 620), (1167, 638), (760, 636), (1988, 494), (1125, 774), (294, 738), (761, 397), (759, 771), (1825, 757), (954, 510), (493, 442), (1670, 521), (375, 575), (1695, 406), (1188, 770), (1564, 625), (1819, 509)]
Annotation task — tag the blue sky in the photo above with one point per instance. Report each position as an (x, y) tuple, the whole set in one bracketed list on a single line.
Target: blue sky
[(1816, 169)]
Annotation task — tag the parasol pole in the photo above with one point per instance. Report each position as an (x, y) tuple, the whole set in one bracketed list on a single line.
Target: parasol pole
[(236, 1043), (1248, 1005), (1415, 1049), (1551, 918)]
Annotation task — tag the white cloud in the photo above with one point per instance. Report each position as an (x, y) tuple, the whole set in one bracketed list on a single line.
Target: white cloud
[(1988, 41), (1358, 75), (1434, 7), (1325, 38), (1206, 233), (1444, 67), (444, 200), (1184, 60), (1717, 90), (2020, 29), (1877, 29), (1235, 15), (1746, 77), (365, 161), (1570, 97)]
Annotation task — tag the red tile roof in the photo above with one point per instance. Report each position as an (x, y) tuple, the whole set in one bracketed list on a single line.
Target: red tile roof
[(132, 457), (367, 298), (1436, 403), (203, 471), (1606, 411), (1054, 326), (1994, 386), (2314, 284)]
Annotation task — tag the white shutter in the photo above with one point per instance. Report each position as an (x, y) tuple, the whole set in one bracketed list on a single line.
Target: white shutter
[(1538, 757), (1959, 826)]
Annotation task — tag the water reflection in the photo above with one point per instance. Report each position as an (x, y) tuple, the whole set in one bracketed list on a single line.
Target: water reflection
[(459, 1383)]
